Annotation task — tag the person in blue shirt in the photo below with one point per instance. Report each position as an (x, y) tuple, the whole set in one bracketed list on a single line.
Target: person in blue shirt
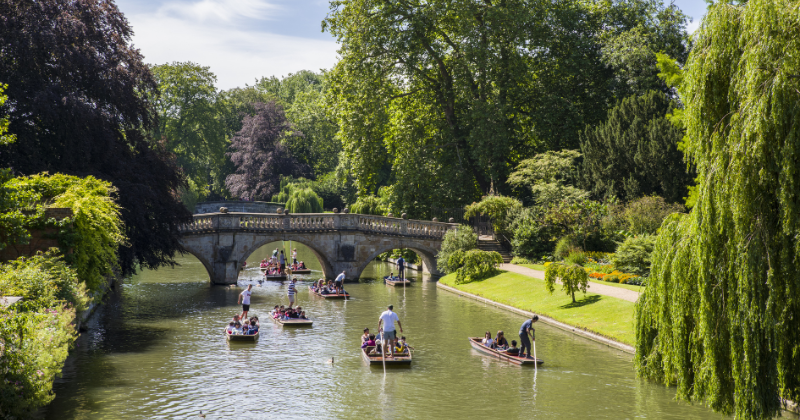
[(401, 266), (524, 331)]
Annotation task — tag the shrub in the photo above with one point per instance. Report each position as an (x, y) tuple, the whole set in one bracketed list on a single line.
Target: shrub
[(520, 260), (461, 239), (633, 255), (573, 278), (576, 257), (565, 246), (476, 265), (369, 204), (642, 216), (497, 208)]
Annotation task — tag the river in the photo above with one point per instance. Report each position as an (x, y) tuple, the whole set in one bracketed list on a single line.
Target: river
[(156, 351)]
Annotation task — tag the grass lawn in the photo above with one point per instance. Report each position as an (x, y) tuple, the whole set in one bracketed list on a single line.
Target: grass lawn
[(604, 315)]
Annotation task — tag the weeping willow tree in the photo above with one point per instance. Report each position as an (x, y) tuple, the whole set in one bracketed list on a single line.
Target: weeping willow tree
[(304, 200), (720, 318)]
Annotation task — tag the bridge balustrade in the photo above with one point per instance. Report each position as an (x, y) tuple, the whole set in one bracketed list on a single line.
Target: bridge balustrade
[(315, 222)]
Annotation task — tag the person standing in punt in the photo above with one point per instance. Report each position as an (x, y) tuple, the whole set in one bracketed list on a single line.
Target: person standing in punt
[(244, 300), (291, 290), (339, 282), (524, 331), (401, 267), (387, 320)]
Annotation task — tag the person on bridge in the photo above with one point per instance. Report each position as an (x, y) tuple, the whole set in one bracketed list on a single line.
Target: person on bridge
[(244, 300), (401, 266), (524, 331), (387, 320), (339, 283), (291, 290)]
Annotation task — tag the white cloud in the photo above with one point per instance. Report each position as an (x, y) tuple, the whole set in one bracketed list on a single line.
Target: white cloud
[(693, 25), (215, 33)]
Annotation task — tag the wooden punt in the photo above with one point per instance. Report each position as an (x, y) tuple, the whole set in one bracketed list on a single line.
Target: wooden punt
[(295, 322), (403, 360), (329, 296), (477, 345), (395, 281), (242, 338), (275, 276), (301, 271)]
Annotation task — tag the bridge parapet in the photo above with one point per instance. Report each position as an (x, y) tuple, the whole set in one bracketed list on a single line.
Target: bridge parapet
[(314, 222)]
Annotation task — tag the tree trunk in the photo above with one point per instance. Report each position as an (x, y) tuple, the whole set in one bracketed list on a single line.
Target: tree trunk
[(573, 296)]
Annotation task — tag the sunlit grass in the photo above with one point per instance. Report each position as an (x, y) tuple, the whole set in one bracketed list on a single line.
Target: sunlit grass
[(604, 315), (622, 286)]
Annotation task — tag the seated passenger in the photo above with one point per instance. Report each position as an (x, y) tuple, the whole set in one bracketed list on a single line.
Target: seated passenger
[(303, 315), (302, 265), (513, 350), (253, 328), (487, 340), (230, 328), (369, 342), (237, 328), (400, 346), (500, 341), (365, 336)]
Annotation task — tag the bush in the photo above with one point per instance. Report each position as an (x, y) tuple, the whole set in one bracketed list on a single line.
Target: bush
[(497, 208), (633, 255), (520, 260), (576, 257), (475, 264), (573, 278), (461, 239), (37, 332), (642, 216), (369, 205), (565, 246)]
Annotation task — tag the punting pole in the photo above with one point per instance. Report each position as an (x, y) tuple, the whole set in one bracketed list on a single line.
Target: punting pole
[(535, 360), (383, 351)]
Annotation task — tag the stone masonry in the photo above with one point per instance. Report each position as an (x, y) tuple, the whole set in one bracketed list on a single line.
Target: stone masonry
[(223, 241)]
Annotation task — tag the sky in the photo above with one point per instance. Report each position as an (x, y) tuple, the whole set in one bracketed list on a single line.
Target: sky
[(244, 40)]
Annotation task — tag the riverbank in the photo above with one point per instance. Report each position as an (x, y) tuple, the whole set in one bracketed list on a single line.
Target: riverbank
[(603, 316)]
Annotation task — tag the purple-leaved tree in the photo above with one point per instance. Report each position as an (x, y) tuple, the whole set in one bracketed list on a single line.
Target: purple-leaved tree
[(260, 154)]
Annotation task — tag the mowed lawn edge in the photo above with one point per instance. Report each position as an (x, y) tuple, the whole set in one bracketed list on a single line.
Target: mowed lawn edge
[(604, 315)]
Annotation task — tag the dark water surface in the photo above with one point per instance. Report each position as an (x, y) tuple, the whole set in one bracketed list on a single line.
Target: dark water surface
[(156, 351)]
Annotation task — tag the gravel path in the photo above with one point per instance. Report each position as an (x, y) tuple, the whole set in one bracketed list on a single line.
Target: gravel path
[(600, 289)]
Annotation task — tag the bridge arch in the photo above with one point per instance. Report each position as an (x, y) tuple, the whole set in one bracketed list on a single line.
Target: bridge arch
[(426, 254), (327, 268)]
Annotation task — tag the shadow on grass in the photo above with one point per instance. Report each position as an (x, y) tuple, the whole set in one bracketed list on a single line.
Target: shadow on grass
[(588, 300)]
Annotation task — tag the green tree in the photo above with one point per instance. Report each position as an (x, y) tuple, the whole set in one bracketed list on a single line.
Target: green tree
[(191, 124), (551, 177), (635, 152), (572, 276), (5, 138), (719, 316), (459, 240), (498, 208)]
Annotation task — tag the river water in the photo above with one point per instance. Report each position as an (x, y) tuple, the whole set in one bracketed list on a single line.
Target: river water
[(157, 351)]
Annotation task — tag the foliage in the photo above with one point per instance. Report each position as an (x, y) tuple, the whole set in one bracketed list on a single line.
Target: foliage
[(634, 152), (642, 216), (565, 246), (369, 205), (260, 156), (634, 255), (551, 177), (5, 138), (475, 264), (80, 102), (408, 255), (96, 219), (719, 317), (451, 95), (573, 278), (461, 239), (335, 192), (304, 200), (520, 260), (36, 332), (576, 257), (190, 122), (497, 208)]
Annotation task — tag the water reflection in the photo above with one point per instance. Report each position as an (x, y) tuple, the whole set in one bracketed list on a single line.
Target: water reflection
[(157, 351)]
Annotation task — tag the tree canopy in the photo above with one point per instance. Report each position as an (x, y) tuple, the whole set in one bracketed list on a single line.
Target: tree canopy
[(719, 316), (80, 102)]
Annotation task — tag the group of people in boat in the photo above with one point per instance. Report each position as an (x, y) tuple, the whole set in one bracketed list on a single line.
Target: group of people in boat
[(246, 327), (276, 263), (284, 313), (526, 334), (373, 344), (329, 288)]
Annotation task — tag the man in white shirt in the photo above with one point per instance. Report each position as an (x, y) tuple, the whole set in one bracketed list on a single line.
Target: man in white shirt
[(387, 319), (339, 283), (244, 300)]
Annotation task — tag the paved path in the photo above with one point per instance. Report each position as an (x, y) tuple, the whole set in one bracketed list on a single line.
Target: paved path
[(600, 289)]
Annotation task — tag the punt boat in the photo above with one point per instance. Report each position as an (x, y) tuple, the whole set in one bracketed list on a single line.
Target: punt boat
[(275, 276), (330, 295), (301, 271), (239, 338), (372, 358), (395, 281), (294, 322), (477, 345)]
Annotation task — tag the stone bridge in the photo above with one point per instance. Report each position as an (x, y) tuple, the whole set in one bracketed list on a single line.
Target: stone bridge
[(223, 241)]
